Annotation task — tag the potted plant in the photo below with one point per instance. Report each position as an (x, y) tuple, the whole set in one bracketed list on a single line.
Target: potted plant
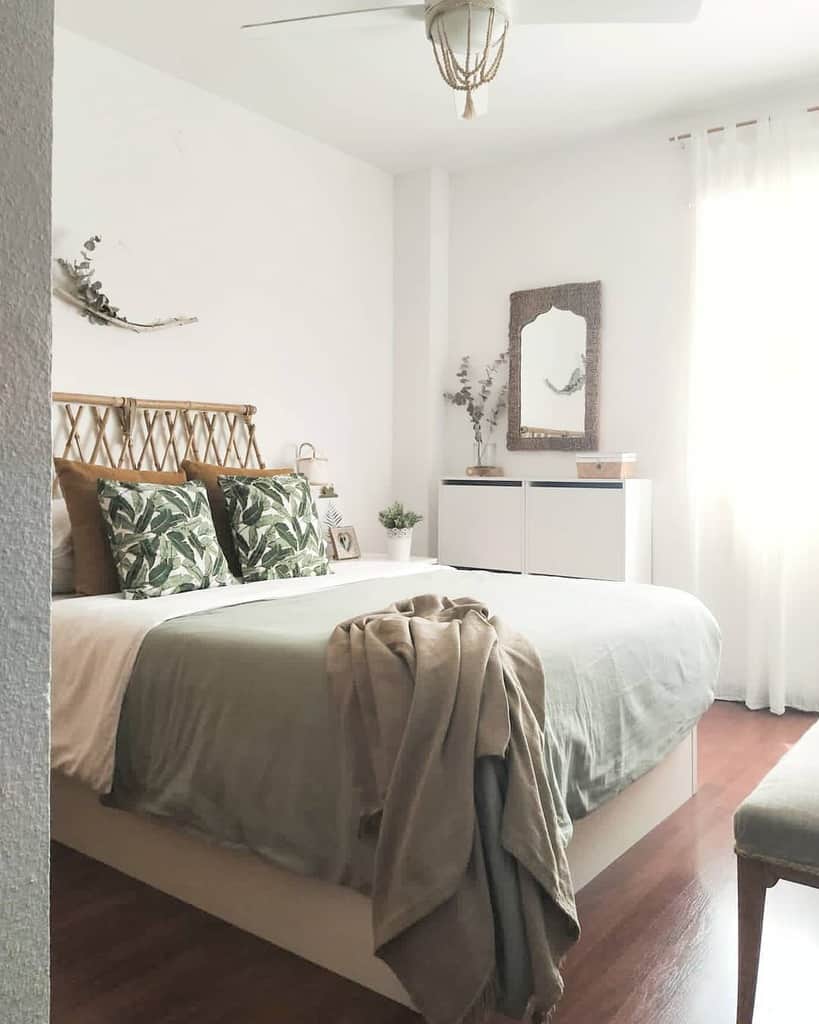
[(483, 412), (398, 523)]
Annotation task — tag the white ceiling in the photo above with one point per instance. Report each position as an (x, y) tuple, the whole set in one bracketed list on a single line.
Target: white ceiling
[(376, 93)]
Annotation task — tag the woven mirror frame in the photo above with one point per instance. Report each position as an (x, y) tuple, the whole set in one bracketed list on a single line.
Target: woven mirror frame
[(525, 307)]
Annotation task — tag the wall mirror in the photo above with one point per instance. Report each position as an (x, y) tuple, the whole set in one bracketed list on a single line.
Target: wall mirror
[(554, 368)]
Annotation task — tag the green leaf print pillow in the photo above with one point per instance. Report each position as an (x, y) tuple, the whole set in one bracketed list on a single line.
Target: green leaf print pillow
[(162, 538), (275, 526)]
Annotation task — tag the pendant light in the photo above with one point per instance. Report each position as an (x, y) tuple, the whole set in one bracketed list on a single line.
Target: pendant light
[(468, 38)]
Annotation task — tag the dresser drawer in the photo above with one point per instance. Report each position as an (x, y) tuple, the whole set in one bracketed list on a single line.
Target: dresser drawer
[(574, 530), (480, 524)]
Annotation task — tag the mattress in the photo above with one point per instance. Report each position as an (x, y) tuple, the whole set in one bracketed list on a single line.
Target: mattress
[(226, 726)]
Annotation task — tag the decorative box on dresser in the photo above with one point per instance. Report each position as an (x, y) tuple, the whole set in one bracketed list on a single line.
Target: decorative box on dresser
[(591, 529)]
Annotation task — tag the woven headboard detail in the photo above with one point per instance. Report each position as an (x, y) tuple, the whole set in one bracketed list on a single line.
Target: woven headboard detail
[(135, 433)]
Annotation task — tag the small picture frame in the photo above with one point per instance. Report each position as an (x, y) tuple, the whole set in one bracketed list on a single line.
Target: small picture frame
[(345, 543)]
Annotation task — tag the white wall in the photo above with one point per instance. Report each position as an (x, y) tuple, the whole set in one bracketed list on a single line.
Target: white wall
[(421, 338), (617, 211), (282, 247), (25, 344)]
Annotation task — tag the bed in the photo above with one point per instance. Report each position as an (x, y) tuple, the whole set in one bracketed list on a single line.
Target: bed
[(194, 745)]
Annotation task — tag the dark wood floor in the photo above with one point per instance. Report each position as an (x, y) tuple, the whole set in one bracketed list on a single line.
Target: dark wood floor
[(658, 944)]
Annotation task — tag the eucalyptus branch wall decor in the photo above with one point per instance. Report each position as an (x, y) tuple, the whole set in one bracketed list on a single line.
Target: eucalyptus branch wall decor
[(83, 290)]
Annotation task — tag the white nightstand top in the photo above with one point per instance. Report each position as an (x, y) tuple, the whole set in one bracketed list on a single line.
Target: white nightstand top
[(369, 556), (378, 566)]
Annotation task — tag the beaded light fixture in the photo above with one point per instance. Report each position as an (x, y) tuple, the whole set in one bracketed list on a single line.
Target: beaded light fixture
[(468, 38)]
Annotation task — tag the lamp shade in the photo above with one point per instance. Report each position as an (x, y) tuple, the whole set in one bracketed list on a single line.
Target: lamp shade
[(468, 39), (470, 26)]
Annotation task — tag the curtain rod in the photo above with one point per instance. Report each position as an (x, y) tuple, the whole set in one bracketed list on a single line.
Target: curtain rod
[(722, 127)]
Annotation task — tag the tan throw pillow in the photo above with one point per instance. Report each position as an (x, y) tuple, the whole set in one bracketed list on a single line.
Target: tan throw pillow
[(209, 475), (94, 571), (62, 549)]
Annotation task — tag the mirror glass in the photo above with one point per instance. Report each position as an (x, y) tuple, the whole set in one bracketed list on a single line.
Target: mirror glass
[(553, 374)]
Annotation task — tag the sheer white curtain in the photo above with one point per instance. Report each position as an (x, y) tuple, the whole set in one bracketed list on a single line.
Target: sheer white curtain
[(754, 406)]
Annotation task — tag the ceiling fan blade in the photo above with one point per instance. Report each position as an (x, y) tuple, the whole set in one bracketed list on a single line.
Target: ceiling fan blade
[(380, 15), (585, 12)]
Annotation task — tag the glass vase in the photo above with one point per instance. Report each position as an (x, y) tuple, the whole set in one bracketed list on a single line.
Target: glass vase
[(483, 453)]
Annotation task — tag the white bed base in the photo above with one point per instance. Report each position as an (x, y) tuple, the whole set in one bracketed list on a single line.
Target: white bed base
[(327, 924)]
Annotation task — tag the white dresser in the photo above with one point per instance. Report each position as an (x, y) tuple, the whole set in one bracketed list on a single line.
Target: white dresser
[(594, 529)]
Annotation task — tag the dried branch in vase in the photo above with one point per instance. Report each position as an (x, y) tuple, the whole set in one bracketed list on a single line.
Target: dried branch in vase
[(482, 411)]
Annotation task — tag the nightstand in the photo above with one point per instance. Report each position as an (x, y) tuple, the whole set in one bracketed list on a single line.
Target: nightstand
[(374, 566), (417, 559)]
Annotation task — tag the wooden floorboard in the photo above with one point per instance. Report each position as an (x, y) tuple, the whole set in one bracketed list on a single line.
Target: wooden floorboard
[(658, 943)]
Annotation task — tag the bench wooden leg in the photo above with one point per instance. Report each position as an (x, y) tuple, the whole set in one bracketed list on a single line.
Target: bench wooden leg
[(753, 879)]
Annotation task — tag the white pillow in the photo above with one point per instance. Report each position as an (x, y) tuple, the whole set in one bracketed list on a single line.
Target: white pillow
[(62, 549)]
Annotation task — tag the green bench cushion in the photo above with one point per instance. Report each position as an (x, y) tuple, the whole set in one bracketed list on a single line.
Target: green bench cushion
[(780, 820)]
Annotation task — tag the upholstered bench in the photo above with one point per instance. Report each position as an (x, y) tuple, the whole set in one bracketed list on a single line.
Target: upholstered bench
[(777, 836)]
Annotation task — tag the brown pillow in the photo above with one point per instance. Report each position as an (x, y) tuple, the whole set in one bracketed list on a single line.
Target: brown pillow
[(94, 571), (209, 475)]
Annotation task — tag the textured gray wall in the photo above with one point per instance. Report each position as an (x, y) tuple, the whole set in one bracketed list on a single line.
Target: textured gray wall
[(26, 40)]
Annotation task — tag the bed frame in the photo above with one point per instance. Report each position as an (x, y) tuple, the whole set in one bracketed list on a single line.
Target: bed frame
[(154, 434), (326, 924)]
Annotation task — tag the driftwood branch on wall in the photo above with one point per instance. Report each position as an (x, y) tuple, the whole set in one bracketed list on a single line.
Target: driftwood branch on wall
[(83, 290), (128, 325)]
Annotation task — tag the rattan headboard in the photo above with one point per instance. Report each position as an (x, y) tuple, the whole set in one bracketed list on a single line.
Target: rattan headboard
[(136, 433)]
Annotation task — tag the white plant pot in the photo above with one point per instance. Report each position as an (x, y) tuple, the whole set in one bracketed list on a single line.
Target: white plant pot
[(399, 545)]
